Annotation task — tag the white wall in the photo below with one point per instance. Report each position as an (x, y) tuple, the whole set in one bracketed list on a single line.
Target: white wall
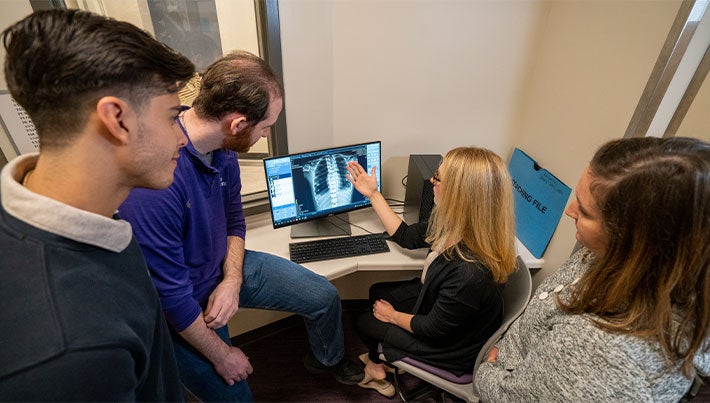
[(307, 51), (555, 78), (429, 75), (423, 76), (237, 21)]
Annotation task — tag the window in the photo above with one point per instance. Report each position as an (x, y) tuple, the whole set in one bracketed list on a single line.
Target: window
[(204, 30)]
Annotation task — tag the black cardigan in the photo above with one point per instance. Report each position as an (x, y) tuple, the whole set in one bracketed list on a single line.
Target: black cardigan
[(458, 309)]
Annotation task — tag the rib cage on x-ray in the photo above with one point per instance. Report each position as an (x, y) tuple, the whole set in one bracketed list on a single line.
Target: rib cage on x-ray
[(326, 176)]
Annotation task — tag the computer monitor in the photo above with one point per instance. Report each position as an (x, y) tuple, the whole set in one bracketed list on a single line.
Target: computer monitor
[(307, 190)]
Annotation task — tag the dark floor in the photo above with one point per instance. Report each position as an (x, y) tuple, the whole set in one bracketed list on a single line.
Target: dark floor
[(279, 374), (276, 352)]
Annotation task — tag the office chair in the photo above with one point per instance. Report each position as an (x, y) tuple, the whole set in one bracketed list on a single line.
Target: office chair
[(516, 295)]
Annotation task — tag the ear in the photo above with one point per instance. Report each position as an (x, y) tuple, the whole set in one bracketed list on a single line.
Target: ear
[(237, 123), (114, 112)]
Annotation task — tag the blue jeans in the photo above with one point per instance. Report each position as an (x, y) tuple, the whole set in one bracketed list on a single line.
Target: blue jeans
[(273, 283), (199, 376), (277, 284)]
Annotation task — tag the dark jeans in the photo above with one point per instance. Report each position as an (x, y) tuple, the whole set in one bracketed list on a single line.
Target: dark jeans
[(198, 375), (274, 283)]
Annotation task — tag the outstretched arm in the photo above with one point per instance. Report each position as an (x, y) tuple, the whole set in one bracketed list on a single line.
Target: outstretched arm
[(367, 186)]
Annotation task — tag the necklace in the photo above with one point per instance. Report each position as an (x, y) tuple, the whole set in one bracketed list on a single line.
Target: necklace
[(26, 179)]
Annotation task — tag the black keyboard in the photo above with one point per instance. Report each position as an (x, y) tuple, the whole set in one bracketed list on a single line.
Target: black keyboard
[(336, 248)]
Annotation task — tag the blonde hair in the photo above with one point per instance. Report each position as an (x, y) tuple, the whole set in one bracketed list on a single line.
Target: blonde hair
[(474, 218)]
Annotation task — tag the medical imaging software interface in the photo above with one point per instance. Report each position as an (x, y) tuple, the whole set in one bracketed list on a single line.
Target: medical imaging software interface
[(311, 185)]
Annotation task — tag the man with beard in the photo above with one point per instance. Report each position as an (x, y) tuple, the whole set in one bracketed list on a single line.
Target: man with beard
[(192, 235)]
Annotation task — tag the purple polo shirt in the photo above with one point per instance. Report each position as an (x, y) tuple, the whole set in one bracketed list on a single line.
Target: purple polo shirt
[(183, 230)]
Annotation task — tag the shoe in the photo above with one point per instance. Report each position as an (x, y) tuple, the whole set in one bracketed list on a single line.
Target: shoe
[(345, 371), (364, 357), (382, 387)]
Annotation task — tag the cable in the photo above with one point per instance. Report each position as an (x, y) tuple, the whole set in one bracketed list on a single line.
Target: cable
[(345, 230), (397, 203), (350, 223)]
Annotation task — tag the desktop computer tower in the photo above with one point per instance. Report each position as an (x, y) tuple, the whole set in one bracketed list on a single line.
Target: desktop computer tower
[(419, 195)]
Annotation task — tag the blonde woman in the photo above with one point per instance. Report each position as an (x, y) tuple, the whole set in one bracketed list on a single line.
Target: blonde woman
[(444, 317)]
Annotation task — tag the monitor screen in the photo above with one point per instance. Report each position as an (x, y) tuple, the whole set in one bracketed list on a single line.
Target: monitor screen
[(312, 185)]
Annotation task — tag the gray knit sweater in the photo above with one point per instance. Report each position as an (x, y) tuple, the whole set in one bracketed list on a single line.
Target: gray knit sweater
[(551, 356)]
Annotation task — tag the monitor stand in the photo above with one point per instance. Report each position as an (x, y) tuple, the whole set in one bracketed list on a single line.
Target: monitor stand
[(326, 226)]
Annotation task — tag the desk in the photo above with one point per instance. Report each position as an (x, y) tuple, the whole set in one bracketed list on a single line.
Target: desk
[(261, 236)]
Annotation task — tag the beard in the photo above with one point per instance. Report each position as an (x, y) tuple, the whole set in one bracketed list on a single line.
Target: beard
[(240, 143)]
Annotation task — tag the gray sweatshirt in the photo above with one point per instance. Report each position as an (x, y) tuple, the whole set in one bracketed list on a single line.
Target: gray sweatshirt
[(551, 356)]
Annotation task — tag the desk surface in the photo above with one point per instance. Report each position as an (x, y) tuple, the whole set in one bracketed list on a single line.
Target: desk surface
[(261, 236)]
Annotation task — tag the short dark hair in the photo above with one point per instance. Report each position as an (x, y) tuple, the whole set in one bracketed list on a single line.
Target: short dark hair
[(238, 82), (61, 62)]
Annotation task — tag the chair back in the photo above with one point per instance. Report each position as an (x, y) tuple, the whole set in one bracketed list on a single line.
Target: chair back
[(516, 295)]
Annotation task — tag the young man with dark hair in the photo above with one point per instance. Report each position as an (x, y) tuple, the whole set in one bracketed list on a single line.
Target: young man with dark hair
[(193, 237), (81, 320)]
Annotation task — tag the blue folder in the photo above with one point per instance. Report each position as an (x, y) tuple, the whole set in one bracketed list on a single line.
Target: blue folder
[(540, 199)]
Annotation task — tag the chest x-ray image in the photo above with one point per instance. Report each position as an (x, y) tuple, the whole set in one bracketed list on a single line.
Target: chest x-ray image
[(326, 176)]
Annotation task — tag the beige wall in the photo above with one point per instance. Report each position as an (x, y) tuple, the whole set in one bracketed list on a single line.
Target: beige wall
[(555, 78), (353, 286), (593, 61)]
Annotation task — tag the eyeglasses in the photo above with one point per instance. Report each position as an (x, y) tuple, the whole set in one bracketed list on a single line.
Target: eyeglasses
[(435, 177)]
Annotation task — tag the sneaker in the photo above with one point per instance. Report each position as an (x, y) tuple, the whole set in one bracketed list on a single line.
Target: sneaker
[(345, 371)]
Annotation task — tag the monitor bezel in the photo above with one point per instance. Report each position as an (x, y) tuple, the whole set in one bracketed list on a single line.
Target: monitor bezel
[(331, 213)]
